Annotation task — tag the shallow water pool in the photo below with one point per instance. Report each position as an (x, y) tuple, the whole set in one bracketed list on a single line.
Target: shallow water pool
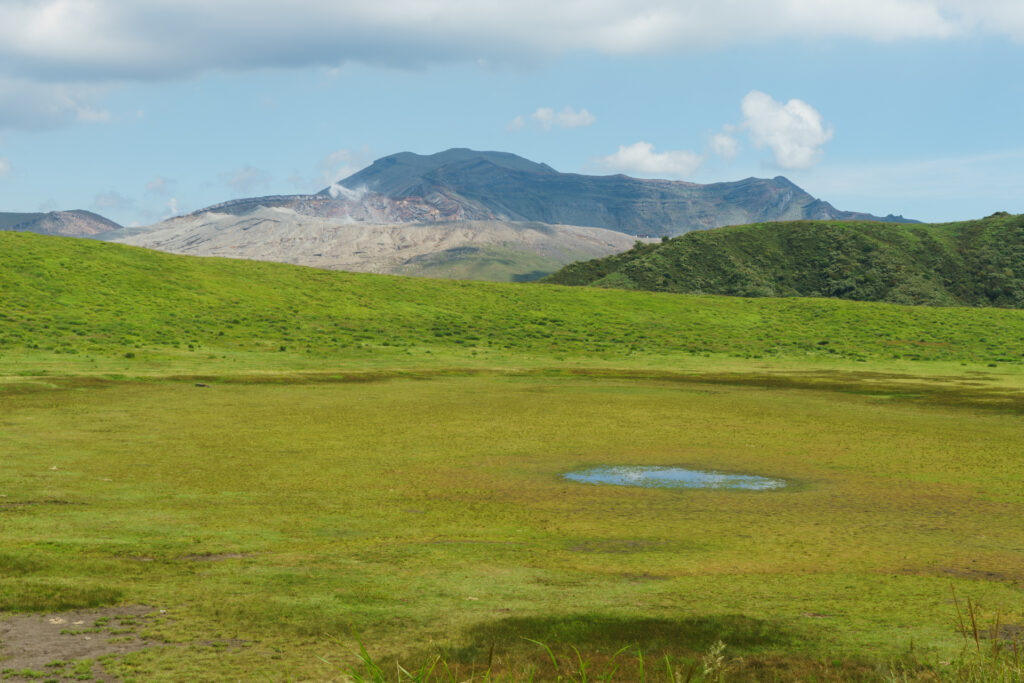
[(673, 477)]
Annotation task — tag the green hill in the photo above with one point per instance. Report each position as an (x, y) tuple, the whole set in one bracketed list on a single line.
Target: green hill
[(975, 263), (68, 296)]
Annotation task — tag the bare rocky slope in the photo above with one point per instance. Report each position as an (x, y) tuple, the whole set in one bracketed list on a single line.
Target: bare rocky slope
[(500, 250)]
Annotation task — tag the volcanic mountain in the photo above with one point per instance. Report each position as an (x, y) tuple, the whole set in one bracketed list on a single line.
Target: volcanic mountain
[(469, 214), (503, 186), (65, 223)]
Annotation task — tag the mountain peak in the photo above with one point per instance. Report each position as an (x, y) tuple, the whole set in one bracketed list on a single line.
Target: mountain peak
[(462, 183), (76, 223), (397, 174)]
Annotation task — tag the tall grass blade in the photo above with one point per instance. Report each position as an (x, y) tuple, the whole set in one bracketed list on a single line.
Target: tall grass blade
[(550, 654), (959, 613), (974, 623), (670, 674), (583, 665), (994, 634)]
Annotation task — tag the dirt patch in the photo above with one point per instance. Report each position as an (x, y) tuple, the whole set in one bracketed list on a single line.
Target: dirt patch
[(60, 639), (981, 574), (14, 504), (214, 557), (643, 577), (1011, 632)]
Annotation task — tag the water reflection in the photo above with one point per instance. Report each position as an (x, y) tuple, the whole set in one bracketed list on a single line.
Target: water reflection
[(673, 477)]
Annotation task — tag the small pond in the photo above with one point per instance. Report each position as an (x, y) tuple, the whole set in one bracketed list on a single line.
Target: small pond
[(673, 477)]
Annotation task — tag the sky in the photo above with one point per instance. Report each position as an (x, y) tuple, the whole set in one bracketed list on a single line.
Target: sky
[(143, 109)]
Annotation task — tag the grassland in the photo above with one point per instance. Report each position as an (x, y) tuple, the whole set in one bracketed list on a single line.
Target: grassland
[(382, 456)]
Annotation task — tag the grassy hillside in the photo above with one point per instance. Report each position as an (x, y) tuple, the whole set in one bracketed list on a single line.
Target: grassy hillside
[(976, 263), (65, 296)]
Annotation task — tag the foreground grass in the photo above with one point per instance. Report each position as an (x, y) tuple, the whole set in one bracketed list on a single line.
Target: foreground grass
[(288, 517), (393, 474)]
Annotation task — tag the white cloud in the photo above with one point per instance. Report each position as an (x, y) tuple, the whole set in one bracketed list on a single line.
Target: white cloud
[(548, 118), (172, 207), (92, 115), (641, 159), (725, 145), (54, 53), (110, 40), (518, 123), (1001, 17), (245, 180), (793, 131), (5, 167), (30, 105)]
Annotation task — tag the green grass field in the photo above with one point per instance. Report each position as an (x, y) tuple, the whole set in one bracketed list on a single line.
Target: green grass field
[(378, 460)]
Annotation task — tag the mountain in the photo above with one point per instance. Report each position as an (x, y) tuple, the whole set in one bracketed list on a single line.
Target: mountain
[(414, 175), (468, 214), (502, 186), (974, 263), (65, 223)]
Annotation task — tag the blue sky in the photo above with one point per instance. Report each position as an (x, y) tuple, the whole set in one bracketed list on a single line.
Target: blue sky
[(138, 110)]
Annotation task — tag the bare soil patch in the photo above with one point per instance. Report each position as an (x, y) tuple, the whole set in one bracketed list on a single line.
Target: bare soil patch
[(33, 641), (218, 557)]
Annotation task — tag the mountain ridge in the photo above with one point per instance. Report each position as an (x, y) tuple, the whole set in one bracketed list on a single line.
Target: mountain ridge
[(513, 188)]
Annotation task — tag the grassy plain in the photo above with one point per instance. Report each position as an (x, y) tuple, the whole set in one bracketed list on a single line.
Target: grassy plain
[(394, 471)]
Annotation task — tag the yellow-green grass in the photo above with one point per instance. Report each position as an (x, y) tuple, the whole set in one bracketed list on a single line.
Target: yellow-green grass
[(382, 456), (80, 300), (433, 511)]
